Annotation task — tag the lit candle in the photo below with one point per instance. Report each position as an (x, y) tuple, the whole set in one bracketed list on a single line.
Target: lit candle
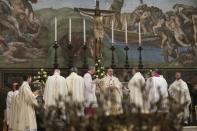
[(112, 32), (140, 39), (70, 30), (55, 29), (126, 37), (84, 31)]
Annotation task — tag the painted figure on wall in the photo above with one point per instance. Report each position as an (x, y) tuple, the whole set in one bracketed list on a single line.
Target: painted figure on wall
[(169, 29), (20, 29)]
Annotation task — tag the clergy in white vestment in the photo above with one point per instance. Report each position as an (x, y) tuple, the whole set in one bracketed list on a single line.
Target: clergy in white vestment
[(55, 88), (22, 108), (157, 89), (90, 92), (10, 95), (179, 92), (76, 85), (111, 86), (136, 91)]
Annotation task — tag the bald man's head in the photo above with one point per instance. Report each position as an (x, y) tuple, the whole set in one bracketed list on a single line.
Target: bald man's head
[(57, 71), (91, 69), (110, 72), (178, 75)]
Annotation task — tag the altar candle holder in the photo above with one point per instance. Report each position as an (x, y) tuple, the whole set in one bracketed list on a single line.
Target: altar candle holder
[(55, 46), (85, 64), (126, 57), (70, 56), (140, 64), (112, 56)]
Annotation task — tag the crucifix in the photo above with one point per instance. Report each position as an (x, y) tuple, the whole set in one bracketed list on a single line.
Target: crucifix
[(97, 14)]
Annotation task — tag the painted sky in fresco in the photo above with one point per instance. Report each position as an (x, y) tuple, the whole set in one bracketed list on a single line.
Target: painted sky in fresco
[(129, 5)]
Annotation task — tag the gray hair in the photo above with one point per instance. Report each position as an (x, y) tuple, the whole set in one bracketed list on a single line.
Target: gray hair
[(57, 71), (74, 69), (91, 67)]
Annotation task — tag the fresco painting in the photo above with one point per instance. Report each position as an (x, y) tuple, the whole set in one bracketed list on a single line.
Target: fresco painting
[(169, 32)]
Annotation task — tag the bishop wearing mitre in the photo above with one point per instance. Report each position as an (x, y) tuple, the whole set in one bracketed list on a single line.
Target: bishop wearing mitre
[(111, 86), (55, 88)]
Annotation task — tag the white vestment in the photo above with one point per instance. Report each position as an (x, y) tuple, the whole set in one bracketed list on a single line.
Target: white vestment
[(90, 91), (136, 88), (22, 110), (76, 85), (157, 89), (55, 87), (179, 92), (10, 95), (111, 86)]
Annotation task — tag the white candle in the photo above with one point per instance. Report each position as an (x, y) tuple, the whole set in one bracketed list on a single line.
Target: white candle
[(70, 30), (126, 37), (112, 32), (84, 31), (140, 39), (55, 29)]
